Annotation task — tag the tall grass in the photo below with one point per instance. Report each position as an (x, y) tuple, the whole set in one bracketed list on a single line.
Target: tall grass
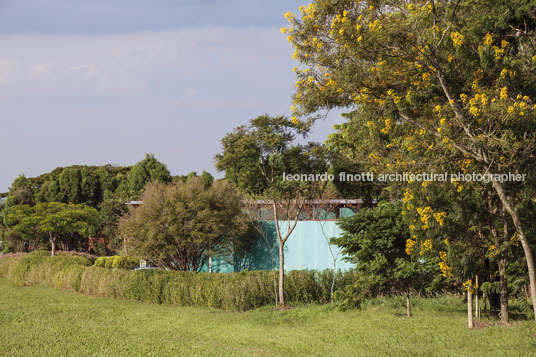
[(234, 291)]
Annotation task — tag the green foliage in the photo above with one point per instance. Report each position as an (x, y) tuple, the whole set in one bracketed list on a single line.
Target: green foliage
[(108, 262), (52, 220), (375, 239), (255, 157), (180, 224), (122, 262), (149, 169), (99, 262), (235, 291)]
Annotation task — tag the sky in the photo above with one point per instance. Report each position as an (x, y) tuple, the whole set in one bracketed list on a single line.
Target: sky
[(106, 81)]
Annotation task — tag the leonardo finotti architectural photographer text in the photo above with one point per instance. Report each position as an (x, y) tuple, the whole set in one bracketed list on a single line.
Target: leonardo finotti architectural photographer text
[(406, 176)]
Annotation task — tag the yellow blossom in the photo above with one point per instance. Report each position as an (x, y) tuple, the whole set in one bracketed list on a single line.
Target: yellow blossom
[(457, 38), (504, 93), (426, 246), (488, 39), (445, 269), (410, 244), (289, 16), (440, 217), (470, 287)]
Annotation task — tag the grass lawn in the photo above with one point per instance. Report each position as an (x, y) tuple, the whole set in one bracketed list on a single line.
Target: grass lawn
[(43, 321)]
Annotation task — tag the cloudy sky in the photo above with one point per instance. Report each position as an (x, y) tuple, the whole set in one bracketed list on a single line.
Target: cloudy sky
[(106, 81)]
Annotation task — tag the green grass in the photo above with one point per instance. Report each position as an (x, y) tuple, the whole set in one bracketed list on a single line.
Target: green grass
[(43, 321)]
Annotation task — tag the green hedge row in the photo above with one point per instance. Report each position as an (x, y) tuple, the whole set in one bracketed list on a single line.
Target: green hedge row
[(117, 262), (233, 291)]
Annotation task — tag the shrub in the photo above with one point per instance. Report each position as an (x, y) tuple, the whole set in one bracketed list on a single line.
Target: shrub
[(116, 262), (99, 262), (109, 261), (127, 263)]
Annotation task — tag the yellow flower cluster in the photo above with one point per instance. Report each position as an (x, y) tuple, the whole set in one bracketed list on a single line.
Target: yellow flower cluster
[(425, 246), (493, 251), (504, 93), (440, 217), (470, 287), (407, 196), (488, 39), (457, 38), (425, 214), (388, 126), (410, 245), (499, 52), (515, 239), (445, 269)]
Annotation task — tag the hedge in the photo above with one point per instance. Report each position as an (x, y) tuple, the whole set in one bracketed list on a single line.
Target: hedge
[(116, 262), (232, 291)]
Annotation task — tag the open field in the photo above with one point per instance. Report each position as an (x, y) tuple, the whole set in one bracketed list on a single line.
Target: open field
[(40, 320)]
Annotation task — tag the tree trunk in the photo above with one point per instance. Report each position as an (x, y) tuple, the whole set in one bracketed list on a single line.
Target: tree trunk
[(524, 242), (281, 273), (408, 304), (470, 323), (333, 281), (52, 240), (504, 291), (502, 277), (477, 302)]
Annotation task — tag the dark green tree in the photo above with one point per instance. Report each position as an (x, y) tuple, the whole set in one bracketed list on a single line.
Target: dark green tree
[(375, 240), (146, 170)]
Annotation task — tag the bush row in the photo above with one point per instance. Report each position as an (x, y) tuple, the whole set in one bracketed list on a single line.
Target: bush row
[(116, 262), (232, 291)]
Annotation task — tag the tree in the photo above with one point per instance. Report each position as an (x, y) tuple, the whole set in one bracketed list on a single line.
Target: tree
[(257, 156), (144, 171), (180, 225), (375, 240), (55, 220), (457, 85)]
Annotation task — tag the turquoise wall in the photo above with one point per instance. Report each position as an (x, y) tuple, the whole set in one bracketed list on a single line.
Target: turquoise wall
[(306, 248)]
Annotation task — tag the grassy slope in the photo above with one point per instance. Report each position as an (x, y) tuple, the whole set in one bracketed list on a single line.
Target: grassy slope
[(45, 321)]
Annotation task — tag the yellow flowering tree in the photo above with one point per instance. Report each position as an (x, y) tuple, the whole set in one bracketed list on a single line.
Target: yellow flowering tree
[(448, 83)]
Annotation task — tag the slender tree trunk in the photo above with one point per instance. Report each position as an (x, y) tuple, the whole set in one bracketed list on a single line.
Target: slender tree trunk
[(524, 242), (502, 277), (275, 281), (408, 304), (281, 273), (477, 302), (52, 240), (333, 280), (470, 323)]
